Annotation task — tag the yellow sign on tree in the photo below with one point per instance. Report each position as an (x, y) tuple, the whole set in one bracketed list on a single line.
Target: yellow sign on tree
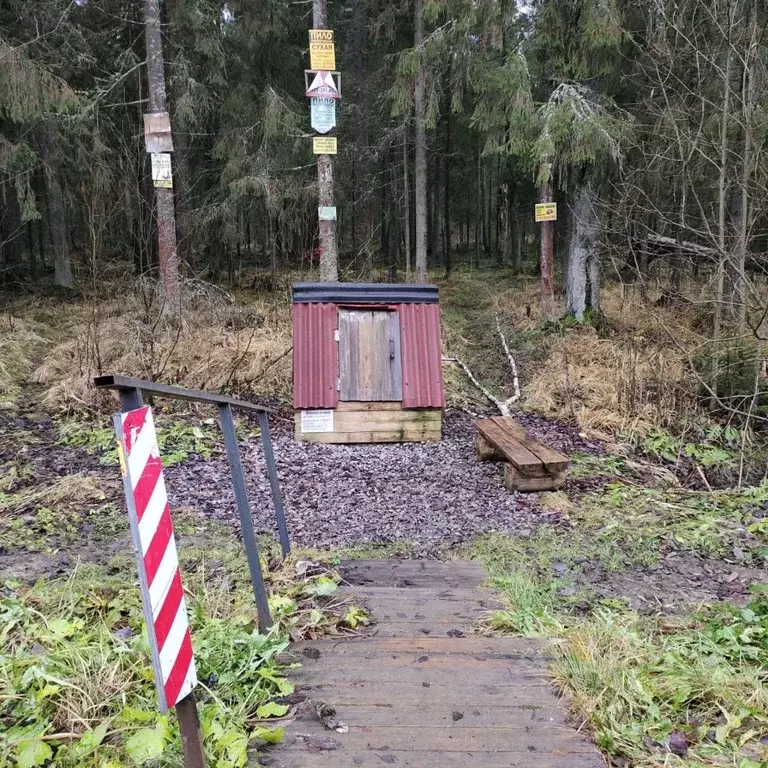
[(546, 211), (322, 50), (324, 145)]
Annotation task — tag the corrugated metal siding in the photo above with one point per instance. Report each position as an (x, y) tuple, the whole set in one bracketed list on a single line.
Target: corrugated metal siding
[(315, 356), (364, 293), (422, 356)]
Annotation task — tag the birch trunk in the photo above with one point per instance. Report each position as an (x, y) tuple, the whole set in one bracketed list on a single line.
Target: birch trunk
[(721, 211), (583, 264)]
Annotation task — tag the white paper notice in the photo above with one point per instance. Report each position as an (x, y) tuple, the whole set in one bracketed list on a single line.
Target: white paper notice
[(316, 421)]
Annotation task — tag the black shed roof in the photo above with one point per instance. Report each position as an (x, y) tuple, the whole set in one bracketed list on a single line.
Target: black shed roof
[(364, 293)]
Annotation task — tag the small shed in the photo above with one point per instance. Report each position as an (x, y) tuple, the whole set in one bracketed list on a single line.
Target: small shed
[(366, 363)]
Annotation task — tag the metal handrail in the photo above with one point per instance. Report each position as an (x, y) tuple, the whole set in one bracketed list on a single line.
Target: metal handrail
[(178, 393), (130, 391)]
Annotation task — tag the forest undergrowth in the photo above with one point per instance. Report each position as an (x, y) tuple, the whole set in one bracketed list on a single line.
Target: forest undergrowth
[(649, 583)]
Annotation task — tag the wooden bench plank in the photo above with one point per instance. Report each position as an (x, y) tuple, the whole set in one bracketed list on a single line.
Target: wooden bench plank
[(513, 451), (518, 447), (552, 458)]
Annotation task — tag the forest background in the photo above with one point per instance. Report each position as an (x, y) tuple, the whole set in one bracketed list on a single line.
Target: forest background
[(645, 121)]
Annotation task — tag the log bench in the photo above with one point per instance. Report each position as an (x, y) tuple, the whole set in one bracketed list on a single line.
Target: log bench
[(530, 465)]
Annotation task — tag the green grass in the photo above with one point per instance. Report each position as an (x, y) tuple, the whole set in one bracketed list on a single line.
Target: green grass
[(76, 686), (646, 686), (177, 440)]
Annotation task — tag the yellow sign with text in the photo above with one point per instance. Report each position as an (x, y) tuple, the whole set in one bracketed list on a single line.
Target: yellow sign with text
[(546, 211), (324, 145), (322, 50)]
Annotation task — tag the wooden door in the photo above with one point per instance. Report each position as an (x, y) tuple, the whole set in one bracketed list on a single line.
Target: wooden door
[(370, 368)]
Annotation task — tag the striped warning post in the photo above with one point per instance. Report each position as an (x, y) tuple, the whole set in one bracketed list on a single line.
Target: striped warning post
[(159, 576)]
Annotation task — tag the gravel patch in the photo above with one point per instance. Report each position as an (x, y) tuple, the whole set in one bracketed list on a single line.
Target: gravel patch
[(428, 494)]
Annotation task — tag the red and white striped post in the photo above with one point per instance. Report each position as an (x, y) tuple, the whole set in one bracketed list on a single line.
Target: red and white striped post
[(162, 593)]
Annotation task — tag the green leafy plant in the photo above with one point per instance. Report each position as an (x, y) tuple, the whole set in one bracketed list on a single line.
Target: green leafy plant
[(176, 441)]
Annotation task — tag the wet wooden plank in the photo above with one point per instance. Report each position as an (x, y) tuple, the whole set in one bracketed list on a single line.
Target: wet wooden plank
[(417, 695), (552, 459), (519, 448), (516, 737), (428, 699), (489, 647), (464, 716), (413, 573), (359, 405), (416, 434), (521, 672), (431, 759)]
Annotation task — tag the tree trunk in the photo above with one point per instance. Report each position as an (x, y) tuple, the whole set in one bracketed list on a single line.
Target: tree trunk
[(738, 295), (547, 262), (329, 254), (520, 234), (487, 224), (360, 172), (11, 232), (420, 165), (62, 270), (168, 257), (583, 264), (447, 244), (406, 203), (722, 192)]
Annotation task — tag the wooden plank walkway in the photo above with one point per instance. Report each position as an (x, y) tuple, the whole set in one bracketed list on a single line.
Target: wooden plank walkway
[(423, 692)]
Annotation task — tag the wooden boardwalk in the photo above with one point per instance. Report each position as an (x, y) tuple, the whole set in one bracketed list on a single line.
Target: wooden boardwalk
[(423, 692)]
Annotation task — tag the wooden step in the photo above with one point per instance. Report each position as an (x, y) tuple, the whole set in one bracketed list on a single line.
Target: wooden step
[(423, 692), (437, 574)]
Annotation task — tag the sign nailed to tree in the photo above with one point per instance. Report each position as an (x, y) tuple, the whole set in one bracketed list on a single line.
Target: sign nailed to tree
[(323, 114), (324, 145), (157, 132), (323, 84), (322, 51), (546, 211), (161, 170)]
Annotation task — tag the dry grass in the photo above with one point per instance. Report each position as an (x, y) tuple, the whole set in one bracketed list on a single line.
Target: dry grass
[(609, 385), (75, 490), (633, 375), (21, 340), (217, 344)]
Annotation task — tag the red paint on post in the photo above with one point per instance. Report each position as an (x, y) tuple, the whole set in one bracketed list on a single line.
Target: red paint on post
[(162, 591)]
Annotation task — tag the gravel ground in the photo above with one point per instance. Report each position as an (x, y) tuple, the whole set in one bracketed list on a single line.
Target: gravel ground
[(429, 494)]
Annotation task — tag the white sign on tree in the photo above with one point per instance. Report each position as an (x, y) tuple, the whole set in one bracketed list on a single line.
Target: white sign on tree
[(323, 114)]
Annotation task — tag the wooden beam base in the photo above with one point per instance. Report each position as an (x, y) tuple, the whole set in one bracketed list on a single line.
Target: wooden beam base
[(384, 422), (515, 480)]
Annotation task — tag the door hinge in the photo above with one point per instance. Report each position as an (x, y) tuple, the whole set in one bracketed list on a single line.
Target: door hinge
[(338, 385), (391, 349), (336, 335)]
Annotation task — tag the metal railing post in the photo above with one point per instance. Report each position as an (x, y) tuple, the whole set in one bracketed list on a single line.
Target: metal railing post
[(130, 399), (246, 521), (274, 484)]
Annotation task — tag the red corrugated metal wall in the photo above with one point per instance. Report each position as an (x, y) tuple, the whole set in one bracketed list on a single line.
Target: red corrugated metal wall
[(422, 356), (315, 356)]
